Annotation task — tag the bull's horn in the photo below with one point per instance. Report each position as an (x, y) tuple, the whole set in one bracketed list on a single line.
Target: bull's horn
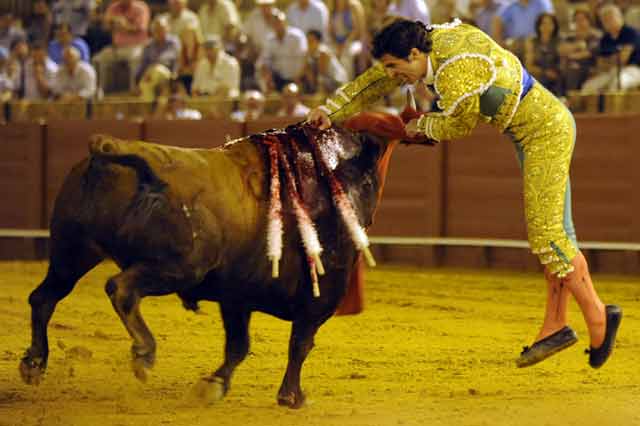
[(411, 100), (275, 267), (319, 266), (368, 257)]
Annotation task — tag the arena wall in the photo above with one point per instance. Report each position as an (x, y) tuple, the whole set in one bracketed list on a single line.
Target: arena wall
[(469, 188)]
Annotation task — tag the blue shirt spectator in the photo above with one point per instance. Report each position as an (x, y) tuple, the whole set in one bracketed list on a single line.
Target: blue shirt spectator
[(63, 38), (485, 14), (519, 18), (77, 13), (627, 37), (618, 58), (56, 48)]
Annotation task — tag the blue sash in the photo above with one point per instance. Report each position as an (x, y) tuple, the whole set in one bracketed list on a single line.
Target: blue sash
[(527, 82)]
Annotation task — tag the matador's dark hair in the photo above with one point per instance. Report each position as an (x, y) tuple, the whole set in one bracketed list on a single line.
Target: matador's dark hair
[(398, 38)]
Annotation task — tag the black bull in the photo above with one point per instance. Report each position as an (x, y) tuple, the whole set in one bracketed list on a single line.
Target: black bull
[(193, 222)]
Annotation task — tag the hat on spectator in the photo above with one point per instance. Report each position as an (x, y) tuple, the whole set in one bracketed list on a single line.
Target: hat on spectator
[(278, 15), (4, 53), (212, 41), (261, 2)]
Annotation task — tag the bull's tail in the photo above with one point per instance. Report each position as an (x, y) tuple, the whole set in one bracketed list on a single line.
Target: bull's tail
[(109, 150), (104, 144), (150, 197)]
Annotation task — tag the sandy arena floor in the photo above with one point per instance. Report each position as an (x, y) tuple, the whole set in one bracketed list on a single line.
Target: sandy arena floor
[(433, 347)]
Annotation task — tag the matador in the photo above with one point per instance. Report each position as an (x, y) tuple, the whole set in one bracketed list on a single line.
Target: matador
[(476, 80)]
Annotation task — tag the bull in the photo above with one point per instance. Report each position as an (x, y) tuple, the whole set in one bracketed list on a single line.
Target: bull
[(193, 222)]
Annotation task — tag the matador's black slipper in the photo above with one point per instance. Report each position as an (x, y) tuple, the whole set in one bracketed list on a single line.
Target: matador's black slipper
[(598, 356), (546, 347)]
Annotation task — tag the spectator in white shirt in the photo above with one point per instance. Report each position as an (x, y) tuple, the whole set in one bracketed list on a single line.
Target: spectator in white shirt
[(251, 106), (414, 10), (177, 109), (216, 74), (75, 79), (282, 60), (40, 72), (323, 72), (19, 54), (10, 30), (291, 105), (215, 15), (309, 15), (257, 25), (180, 17), (6, 82)]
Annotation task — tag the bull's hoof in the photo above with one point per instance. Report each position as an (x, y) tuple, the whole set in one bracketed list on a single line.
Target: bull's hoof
[(291, 399), (209, 390), (32, 369), (141, 363)]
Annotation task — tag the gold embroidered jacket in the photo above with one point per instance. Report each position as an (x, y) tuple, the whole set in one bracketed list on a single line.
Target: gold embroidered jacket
[(475, 79)]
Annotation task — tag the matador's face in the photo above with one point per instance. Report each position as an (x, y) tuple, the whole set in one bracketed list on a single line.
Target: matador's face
[(409, 70)]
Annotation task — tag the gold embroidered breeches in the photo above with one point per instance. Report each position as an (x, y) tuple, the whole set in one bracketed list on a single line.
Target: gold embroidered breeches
[(543, 130)]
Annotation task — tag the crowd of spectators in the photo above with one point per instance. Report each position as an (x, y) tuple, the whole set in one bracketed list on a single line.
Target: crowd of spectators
[(87, 49)]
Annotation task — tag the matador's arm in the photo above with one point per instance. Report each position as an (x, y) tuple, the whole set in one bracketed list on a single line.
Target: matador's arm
[(439, 126), (356, 95), (459, 82)]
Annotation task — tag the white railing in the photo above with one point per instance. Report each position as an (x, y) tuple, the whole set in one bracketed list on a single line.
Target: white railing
[(401, 241)]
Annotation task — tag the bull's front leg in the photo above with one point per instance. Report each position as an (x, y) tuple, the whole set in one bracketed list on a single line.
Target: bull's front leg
[(303, 332), (236, 326)]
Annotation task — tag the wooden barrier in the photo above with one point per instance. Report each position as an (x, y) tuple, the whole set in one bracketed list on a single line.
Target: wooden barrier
[(466, 188), (411, 202), (266, 123), (34, 112), (117, 109), (483, 186), (21, 186), (602, 177)]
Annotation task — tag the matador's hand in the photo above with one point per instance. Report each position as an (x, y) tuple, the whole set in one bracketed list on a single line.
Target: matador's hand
[(319, 118), (411, 129)]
